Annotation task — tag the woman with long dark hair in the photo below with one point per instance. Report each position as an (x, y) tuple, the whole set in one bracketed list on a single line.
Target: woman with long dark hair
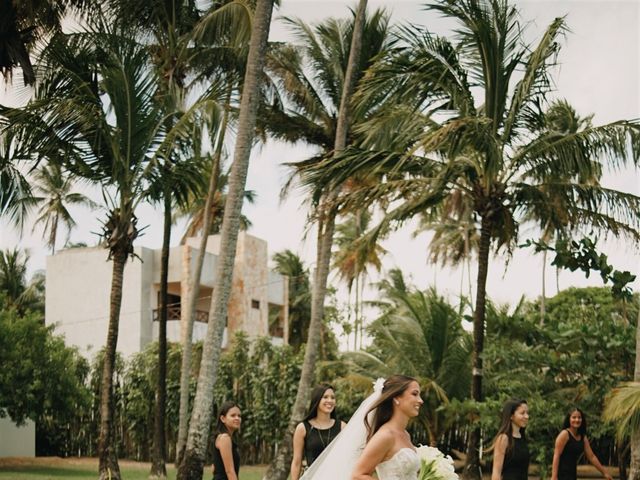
[(571, 443), (317, 430), (510, 448), (226, 458), (389, 451)]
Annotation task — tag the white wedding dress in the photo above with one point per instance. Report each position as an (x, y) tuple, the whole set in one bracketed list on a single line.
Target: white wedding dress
[(404, 465), (336, 462)]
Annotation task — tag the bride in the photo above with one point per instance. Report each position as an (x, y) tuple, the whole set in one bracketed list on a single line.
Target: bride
[(375, 438)]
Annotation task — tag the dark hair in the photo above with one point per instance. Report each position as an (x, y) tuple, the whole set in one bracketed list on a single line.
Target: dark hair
[(394, 386), (316, 397), (508, 409), (224, 409), (567, 421)]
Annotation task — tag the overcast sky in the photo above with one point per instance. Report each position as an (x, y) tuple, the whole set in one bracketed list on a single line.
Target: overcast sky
[(599, 73)]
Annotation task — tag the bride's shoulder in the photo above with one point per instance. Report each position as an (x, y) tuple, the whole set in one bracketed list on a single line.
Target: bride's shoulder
[(384, 436)]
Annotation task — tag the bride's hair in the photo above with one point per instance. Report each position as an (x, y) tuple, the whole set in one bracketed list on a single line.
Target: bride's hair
[(382, 409)]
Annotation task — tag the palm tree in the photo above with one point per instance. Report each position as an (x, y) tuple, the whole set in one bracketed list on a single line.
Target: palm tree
[(192, 463), (16, 291), (14, 187), (419, 333), (24, 23), (351, 261), (623, 407), (291, 265), (493, 154), (52, 194), (317, 110), (194, 208), (97, 108)]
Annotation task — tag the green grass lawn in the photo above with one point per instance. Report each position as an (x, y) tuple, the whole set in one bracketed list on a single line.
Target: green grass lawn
[(87, 469)]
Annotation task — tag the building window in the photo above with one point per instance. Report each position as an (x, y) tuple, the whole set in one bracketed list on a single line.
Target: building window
[(255, 304)]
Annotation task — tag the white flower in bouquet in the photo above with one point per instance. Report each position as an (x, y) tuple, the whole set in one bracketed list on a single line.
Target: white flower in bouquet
[(435, 465)]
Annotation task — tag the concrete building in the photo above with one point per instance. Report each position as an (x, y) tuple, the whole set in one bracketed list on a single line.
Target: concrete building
[(79, 283), (17, 441)]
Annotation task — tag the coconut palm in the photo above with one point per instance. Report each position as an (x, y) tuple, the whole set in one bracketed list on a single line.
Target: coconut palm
[(16, 291), (194, 208), (291, 265), (23, 23), (52, 194), (351, 261), (192, 463), (493, 154), (419, 333), (97, 108), (315, 107), (623, 408), (14, 187)]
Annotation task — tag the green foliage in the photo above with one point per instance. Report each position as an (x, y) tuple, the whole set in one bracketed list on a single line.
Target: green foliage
[(559, 364), (583, 255), (41, 379)]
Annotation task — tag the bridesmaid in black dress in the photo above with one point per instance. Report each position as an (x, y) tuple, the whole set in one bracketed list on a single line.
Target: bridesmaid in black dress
[(571, 443), (510, 449), (226, 458), (317, 430)]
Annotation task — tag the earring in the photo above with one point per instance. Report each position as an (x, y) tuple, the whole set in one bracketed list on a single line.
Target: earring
[(396, 401)]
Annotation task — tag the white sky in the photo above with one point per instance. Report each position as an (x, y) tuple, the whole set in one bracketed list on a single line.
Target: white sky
[(599, 73)]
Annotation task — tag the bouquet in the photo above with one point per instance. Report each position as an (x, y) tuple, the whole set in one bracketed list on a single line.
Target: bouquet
[(435, 465)]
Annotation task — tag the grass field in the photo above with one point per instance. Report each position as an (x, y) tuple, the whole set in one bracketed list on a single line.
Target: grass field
[(54, 468)]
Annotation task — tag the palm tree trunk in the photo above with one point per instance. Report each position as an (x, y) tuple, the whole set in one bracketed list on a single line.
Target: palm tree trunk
[(634, 442), (193, 289), (191, 467), (356, 320), (159, 456), (53, 234), (544, 289), (108, 460), (472, 463), (279, 468)]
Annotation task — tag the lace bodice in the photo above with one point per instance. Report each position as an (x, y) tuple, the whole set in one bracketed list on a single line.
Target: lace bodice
[(404, 465)]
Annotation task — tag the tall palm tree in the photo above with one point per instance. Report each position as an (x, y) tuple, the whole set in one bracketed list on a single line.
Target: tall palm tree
[(419, 333), (291, 265), (351, 261), (194, 208), (315, 107), (623, 407), (493, 154), (19, 293), (192, 463), (23, 23), (14, 187), (52, 194), (97, 108)]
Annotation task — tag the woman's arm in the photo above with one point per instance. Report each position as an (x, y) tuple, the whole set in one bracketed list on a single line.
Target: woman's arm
[(561, 442), (499, 451), (593, 459), (374, 453), (224, 444), (298, 449)]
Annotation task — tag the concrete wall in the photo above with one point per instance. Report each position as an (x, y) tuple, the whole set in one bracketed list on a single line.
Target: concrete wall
[(79, 284), (17, 441), (78, 299)]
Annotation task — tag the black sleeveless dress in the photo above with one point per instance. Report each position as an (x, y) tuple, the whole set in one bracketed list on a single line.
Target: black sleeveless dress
[(516, 462), (316, 440), (219, 472), (568, 466)]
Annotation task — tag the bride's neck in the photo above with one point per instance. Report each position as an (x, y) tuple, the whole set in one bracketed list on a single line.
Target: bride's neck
[(399, 421)]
